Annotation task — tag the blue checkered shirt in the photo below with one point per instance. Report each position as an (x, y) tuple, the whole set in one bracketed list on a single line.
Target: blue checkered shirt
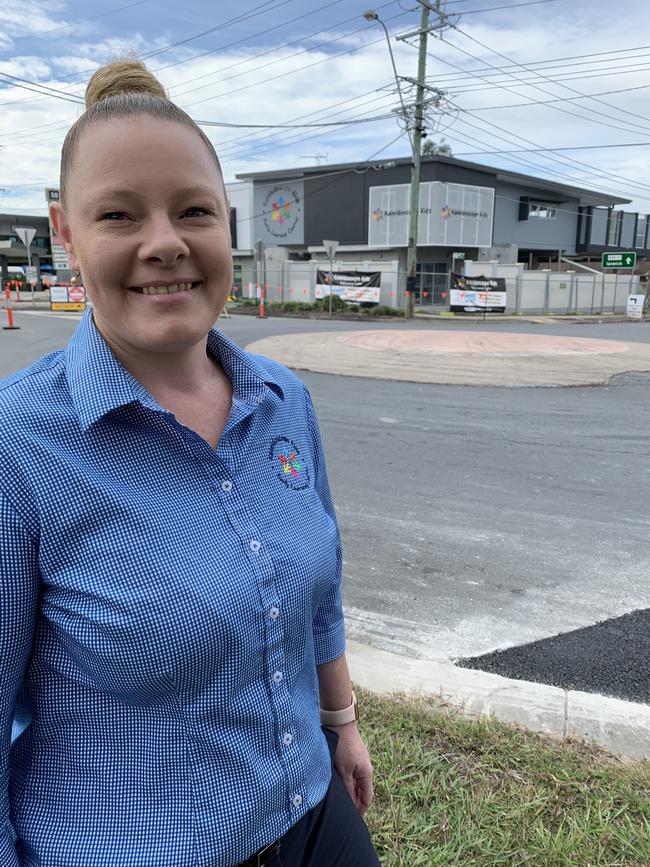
[(164, 606)]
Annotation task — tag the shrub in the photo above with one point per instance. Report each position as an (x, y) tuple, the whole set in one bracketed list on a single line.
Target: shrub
[(384, 310)]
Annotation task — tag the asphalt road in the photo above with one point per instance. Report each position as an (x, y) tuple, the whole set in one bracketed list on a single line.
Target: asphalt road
[(475, 519)]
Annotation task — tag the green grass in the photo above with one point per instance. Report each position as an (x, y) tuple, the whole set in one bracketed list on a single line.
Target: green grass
[(457, 791)]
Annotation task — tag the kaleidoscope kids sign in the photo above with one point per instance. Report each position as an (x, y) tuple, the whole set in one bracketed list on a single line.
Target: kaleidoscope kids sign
[(279, 213)]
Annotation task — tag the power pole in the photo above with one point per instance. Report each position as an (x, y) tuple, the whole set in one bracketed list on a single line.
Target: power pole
[(414, 210)]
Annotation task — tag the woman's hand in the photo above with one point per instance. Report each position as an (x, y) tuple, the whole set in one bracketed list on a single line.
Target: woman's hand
[(354, 766)]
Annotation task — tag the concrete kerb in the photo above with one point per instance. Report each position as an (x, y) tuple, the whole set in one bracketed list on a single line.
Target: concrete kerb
[(620, 727)]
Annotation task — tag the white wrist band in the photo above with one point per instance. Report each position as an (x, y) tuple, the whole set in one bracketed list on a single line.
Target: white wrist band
[(340, 717)]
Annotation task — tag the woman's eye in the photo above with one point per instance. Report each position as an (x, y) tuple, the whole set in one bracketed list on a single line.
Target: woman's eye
[(196, 212)]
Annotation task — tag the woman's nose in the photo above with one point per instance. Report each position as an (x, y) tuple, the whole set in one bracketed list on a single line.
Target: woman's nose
[(163, 242)]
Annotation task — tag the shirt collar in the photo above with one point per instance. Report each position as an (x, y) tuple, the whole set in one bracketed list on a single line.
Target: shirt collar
[(99, 383)]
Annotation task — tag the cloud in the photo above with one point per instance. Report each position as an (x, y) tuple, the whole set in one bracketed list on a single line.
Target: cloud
[(286, 83)]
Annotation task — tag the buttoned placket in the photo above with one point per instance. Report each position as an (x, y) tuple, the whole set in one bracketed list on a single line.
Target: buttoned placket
[(258, 551)]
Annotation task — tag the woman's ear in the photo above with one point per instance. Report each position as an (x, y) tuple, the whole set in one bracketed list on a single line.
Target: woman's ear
[(62, 230)]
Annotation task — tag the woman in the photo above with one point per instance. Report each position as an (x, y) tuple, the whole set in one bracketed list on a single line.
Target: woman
[(169, 556)]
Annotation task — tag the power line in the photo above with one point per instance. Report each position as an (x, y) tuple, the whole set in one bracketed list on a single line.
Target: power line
[(557, 99), (477, 75), (272, 50), (263, 7), (540, 75), (597, 173), (562, 160), (510, 6), (294, 71), (29, 85), (228, 125), (536, 87), (524, 82), (556, 63), (79, 21), (636, 144)]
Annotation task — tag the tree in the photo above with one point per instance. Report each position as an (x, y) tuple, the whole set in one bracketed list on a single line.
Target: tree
[(431, 148)]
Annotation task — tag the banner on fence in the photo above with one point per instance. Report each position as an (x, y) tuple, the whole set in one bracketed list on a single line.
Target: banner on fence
[(469, 294), (356, 286)]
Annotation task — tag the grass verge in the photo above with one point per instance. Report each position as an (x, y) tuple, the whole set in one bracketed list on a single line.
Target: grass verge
[(457, 791)]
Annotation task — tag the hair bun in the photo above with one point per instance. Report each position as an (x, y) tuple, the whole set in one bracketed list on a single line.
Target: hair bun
[(122, 76)]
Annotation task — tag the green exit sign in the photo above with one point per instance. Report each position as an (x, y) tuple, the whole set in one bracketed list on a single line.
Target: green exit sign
[(618, 260)]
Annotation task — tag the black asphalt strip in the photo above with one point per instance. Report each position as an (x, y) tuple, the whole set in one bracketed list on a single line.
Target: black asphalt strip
[(611, 658)]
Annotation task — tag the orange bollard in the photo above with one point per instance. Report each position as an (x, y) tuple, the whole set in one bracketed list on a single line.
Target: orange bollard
[(262, 314), (10, 320)]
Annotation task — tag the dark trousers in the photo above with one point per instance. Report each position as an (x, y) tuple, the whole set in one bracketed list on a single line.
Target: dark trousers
[(333, 834)]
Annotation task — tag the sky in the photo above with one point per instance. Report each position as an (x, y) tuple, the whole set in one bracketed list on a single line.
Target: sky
[(559, 89)]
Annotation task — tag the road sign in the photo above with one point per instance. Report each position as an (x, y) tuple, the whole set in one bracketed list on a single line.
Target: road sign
[(457, 255), (330, 248), (618, 260), (76, 294), (635, 306), (67, 298), (31, 274), (25, 234)]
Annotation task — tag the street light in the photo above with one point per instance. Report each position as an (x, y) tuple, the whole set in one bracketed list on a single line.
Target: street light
[(416, 144), (370, 15)]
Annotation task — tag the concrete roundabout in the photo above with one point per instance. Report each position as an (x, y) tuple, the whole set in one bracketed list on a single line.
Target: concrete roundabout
[(458, 358)]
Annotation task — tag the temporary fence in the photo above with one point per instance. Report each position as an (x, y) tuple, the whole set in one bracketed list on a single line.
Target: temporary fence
[(528, 292)]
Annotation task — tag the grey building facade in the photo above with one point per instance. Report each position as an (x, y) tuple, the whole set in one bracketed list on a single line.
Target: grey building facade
[(473, 211), (12, 250)]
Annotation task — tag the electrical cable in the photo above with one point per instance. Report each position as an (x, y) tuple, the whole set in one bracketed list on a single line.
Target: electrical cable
[(542, 76), (574, 181), (557, 99), (477, 75), (262, 7), (250, 37), (40, 33), (555, 63), (293, 71), (510, 6), (272, 50)]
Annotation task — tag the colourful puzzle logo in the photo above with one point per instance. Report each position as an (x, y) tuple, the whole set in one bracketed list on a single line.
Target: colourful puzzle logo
[(290, 466), (445, 212), (378, 215), (281, 211)]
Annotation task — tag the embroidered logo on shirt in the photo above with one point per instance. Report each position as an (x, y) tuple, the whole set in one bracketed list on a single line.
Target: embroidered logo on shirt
[(291, 468)]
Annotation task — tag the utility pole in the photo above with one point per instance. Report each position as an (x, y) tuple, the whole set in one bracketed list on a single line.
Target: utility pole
[(414, 209)]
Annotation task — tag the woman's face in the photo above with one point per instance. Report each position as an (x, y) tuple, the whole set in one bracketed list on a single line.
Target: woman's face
[(146, 220)]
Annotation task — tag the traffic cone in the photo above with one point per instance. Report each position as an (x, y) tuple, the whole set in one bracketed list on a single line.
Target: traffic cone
[(262, 304)]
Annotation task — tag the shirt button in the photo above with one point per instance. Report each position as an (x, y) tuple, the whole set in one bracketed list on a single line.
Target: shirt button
[(287, 739), (226, 486), (277, 676), (274, 613), (296, 800), (254, 545)]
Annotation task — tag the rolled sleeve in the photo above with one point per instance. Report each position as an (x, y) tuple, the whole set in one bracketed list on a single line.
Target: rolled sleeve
[(328, 622)]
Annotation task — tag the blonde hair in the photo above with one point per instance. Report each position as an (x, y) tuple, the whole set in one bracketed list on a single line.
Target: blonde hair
[(121, 89)]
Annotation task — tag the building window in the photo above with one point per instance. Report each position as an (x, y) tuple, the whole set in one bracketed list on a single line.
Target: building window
[(540, 211), (641, 226), (614, 232)]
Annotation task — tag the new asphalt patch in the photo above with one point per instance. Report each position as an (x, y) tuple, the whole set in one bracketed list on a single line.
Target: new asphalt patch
[(609, 658)]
